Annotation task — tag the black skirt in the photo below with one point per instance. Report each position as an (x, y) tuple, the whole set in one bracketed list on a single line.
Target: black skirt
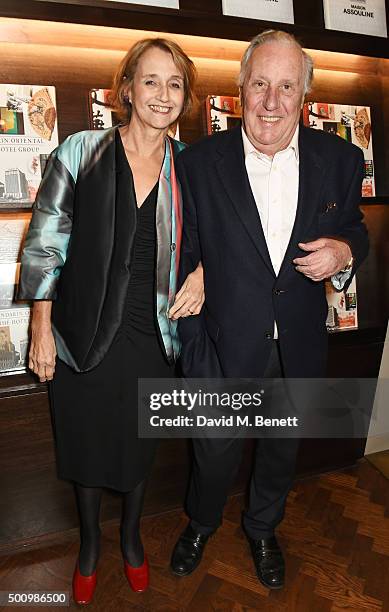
[(95, 413)]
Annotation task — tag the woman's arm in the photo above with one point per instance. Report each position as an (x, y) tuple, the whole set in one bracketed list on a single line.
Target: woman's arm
[(44, 253), (190, 298), (45, 247), (42, 349)]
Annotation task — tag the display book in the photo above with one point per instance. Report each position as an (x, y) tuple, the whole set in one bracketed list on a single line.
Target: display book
[(28, 134), (349, 122)]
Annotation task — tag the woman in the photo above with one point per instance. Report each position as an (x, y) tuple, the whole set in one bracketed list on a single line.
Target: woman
[(101, 259)]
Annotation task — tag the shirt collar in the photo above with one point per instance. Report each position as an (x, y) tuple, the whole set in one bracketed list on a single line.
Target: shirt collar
[(248, 147)]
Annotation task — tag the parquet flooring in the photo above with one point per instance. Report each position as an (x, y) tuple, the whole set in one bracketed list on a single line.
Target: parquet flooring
[(335, 536)]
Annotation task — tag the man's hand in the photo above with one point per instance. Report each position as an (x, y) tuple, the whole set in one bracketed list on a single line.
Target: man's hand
[(190, 298), (327, 256)]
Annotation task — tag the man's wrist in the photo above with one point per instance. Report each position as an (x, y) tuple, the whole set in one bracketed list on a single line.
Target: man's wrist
[(348, 266)]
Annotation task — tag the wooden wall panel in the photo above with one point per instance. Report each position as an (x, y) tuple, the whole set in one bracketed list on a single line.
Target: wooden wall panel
[(199, 17)]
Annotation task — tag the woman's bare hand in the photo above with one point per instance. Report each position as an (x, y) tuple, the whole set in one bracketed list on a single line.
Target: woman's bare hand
[(42, 349), (190, 298)]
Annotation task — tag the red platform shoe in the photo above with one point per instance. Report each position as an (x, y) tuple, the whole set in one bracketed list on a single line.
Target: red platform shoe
[(83, 586), (138, 577)]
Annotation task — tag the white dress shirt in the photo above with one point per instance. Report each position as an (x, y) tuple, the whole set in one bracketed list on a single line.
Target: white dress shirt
[(274, 182)]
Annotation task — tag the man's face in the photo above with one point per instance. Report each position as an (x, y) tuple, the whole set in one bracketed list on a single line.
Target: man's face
[(272, 96)]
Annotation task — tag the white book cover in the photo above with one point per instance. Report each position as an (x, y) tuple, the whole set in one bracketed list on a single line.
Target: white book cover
[(12, 234), (265, 10), (162, 3), (28, 134), (14, 316), (174, 4), (14, 322), (359, 17), (14, 340)]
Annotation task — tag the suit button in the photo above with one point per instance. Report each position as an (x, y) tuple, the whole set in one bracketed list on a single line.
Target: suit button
[(172, 247), (269, 336), (279, 291)]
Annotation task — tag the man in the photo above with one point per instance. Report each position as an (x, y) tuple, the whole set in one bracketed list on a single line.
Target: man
[(271, 210)]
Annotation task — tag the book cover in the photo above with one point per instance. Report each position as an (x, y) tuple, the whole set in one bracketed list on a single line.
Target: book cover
[(222, 113), (14, 316), (266, 10), (101, 115), (352, 123), (14, 322), (342, 307), (363, 17), (28, 134)]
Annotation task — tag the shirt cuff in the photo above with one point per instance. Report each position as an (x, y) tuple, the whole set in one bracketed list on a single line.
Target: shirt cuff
[(339, 280)]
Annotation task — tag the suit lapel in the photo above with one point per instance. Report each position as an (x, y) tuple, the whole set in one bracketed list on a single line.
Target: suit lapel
[(311, 177), (231, 170)]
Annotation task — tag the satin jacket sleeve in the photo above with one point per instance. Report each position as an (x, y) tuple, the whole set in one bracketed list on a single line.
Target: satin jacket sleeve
[(48, 236)]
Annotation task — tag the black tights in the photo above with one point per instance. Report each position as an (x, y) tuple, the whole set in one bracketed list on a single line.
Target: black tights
[(88, 502)]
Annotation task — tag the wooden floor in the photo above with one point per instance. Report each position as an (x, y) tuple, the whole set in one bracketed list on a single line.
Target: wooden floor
[(335, 536)]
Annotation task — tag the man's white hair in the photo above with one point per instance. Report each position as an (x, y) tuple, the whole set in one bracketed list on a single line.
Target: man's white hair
[(280, 37)]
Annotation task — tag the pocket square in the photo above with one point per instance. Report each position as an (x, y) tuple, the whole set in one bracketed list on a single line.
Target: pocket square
[(330, 206)]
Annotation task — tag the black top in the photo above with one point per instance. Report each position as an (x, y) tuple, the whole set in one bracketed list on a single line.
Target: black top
[(139, 311)]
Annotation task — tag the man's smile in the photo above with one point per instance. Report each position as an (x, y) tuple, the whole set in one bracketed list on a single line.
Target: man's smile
[(271, 119)]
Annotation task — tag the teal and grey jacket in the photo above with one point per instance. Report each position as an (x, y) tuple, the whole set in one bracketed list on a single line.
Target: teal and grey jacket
[(78, 247)]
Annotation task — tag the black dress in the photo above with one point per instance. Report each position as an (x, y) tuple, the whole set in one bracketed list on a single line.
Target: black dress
[(95, 413)]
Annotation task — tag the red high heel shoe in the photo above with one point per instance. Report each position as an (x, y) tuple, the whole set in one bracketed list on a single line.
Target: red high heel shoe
[(138, 577), (83, 586)]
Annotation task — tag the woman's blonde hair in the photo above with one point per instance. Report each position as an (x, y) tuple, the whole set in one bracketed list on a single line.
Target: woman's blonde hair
[(127, 68)]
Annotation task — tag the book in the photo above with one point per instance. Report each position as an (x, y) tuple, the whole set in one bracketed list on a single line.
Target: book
[(14, 322), (101, 114), (275, 10), (14, 316), (363, 17), (342, 307), (352, 123), (222, 113), (28, 134)]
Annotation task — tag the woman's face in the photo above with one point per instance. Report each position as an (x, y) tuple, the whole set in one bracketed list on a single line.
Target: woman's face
[(157, 90)]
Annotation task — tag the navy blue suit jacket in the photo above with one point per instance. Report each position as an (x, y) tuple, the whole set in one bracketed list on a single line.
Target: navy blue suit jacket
[(243, 296)]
